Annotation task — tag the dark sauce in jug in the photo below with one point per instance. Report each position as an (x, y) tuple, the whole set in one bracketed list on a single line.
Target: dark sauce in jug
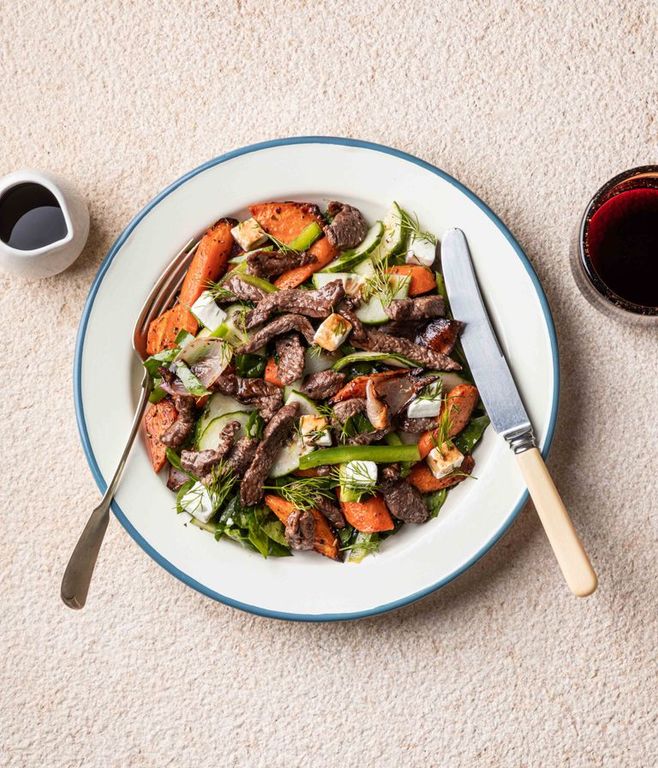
[(30, 217), (622, 244)]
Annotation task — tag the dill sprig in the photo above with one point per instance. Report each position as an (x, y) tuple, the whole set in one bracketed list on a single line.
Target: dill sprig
[(382, 283), (359, 480), (282, 246), (220, 483), (315, 350), (303, 492), (441, 435), (411, 228), (219, 292), (431, 391)]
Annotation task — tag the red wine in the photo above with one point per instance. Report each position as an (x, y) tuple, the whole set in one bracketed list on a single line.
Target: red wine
[(622, 244), (30, 217)]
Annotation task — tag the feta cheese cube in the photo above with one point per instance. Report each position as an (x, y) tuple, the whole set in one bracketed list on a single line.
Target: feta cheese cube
[(207, 312), (248, 234), (314, 430), (428, 403), (444, 460), (421, 253), (198, 503), (358, 474), (332, 332)]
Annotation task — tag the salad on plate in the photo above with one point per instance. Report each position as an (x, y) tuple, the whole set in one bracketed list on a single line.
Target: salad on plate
[(308, 388)]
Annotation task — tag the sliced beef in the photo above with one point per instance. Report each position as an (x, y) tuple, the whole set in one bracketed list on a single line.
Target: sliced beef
[(322, 385), (420, 308), (331, 511), (318, 303), (404, 502), (348, 226), (271, 263), (200, 463), (171, 384), (390, 472), (367, 438), (408, 329), (346, 309), (376, 341), (346, 409), (398, 392), (300, 529), (176, 478), (265, 396), (241, 455), (282, 324), (440, 335), (242, 290), (290, 352), (275, 436), (184, 402)]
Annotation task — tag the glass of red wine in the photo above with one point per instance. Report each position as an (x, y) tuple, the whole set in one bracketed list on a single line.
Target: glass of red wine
[(615, 257)]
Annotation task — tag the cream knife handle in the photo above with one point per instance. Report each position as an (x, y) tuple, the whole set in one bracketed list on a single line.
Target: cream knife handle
[(571, 556)]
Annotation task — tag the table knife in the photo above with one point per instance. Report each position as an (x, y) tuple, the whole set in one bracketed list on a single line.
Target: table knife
[(508, 415)]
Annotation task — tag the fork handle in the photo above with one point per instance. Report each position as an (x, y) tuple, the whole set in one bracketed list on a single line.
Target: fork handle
[(569, 552), (80, 568)]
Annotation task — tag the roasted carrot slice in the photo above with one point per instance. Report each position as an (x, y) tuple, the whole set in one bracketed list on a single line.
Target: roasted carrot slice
[(285, 221), (421, 278), (178, 319), (368, 516), (272, 373), (323, 251), (357, 387), (157, 420), (461, 401), (422, 478), (155, 337), (326, 542)]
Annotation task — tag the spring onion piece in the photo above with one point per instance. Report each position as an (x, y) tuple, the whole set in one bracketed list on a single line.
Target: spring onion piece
[(306, 238), (397, 361), (258, 282), (383, 454)]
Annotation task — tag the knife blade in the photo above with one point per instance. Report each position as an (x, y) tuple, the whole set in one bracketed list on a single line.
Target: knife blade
[(508, 415), (491, 372)]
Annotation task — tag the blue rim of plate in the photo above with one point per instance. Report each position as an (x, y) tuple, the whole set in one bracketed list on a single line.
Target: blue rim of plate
[(77, 377)]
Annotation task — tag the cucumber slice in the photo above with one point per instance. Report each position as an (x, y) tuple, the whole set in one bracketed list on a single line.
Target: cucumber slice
[(350, 280), (397, 361), (365, 269), (393, 241), (349, 259), (288, 458), (372, 312), (314, 361), (306, 405), (209, 438), (219, 405)]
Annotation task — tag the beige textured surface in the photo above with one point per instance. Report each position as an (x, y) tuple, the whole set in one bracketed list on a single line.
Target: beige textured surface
[(532, 105)]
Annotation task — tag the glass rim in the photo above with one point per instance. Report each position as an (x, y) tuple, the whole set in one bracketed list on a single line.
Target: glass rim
[(601, 196)]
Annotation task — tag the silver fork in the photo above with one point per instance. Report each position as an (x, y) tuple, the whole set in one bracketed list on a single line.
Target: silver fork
[(78, 573)]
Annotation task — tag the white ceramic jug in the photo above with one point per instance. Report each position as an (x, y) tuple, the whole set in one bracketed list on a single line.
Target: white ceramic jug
[(52, 257)]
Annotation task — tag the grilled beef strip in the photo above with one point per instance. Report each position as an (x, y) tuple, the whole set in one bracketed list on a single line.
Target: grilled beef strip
[(347, 228), (279, 326), (300, 529), (265, 396), (318, 303), (200, 463), (290, 352), (416, 426), (323, 384), (275, 436), (404, 502), (376, 341), (399, 392), (366, 438), (176, 478), (440, 335), (331, 511), (184, 403), (346, 309), (420, 308), (348, 408), (271, 263), (241, 455), (242, 290), (391, 472), (408, 329)]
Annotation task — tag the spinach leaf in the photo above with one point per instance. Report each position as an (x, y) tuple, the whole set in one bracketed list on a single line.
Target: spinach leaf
[(160, 359), (470, 436), (435, 501), (274, 530), (181, 492), (250, 366), (255, 425), (158, 393)]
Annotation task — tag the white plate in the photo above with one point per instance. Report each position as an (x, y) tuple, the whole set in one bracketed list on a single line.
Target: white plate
[(419, 559)]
